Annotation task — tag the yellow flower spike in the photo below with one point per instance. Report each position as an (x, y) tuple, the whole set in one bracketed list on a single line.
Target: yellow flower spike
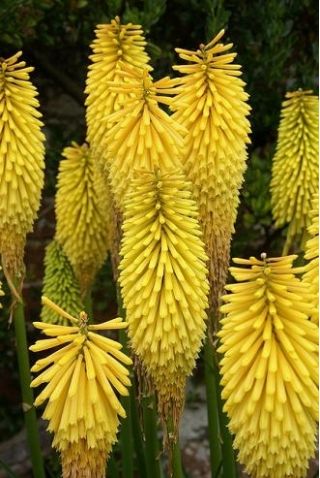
[(295, 172), (163, 279), (115, 45), (212, 105), (82, 381), (141, 135), (60, 284), (83, 215), (21, 159), (269, 367), (311, 276)]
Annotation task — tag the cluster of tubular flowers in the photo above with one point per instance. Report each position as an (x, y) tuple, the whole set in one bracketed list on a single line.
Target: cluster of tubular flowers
[(115, 45), (295, 172), (212, 105), (141, 135), (83, 213), (81, 378), (311, 275), (163, 280), (60, 284), (21, 159), (270, 367)]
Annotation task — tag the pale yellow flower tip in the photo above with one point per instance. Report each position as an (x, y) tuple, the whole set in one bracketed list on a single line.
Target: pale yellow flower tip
[(212, 104), (115, 45), (163, 279), (295, 172), (83, 377), (311, 275), (83, 213), (141, 134), (21, 157), (269, 367)]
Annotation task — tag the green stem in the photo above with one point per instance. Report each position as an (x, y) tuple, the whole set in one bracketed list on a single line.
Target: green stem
[(126, 442), (112, 468), (151, 438), (228, 459), (137, 435), (27, 393), (212, 409), (175, 452)]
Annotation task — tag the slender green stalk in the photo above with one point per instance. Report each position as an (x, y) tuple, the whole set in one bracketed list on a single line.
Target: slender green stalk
[(151, 438), (137, 435), (112, 468), (212, 409), (27, 393), (126, 441), (175, 453), (228, 460)]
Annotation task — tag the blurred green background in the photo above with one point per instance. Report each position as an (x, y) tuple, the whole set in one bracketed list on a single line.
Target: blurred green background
[(277, 45)]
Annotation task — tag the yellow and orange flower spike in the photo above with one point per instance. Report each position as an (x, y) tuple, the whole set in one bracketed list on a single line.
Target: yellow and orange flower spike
[(212, 105), (141, 135), (21, 159), (83, 213), (295, 173), (311, 275), (270, 367), (115, 45), (163, 279), (82, 377)]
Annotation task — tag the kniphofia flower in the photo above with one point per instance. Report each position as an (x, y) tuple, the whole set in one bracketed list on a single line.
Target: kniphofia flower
[(83, 213), (270, 367), (163, 280), (82, 377), (295, 172), (212, 105), (114, 45), (21, 159), (60, 284), (141, 135)]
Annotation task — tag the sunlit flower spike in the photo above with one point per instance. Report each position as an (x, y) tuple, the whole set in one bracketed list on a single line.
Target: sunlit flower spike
[(163, 280), (21, 159), (83, 376), (211, 103), (83, 213), (141, 135), (115, 45), (269, 367), (295, 172)]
